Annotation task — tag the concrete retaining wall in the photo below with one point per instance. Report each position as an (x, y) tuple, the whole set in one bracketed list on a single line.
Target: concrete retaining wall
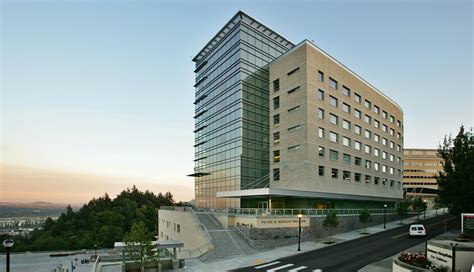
[(274, 237)]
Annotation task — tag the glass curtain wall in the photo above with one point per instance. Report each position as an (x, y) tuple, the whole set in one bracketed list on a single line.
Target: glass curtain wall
[(231, 115)]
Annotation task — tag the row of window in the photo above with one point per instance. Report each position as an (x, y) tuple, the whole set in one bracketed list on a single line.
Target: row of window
[(347, 176), (334, 119), (346, 158), (346, 141), (334, 102), (358, 99)]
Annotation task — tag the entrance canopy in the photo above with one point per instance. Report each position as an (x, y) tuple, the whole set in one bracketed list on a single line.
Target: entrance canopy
[(273, 192)]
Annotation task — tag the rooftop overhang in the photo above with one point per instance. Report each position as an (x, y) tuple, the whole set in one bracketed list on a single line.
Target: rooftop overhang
[(272, 192)]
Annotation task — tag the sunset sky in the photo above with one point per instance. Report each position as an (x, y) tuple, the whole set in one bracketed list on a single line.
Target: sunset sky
[(97, 96)]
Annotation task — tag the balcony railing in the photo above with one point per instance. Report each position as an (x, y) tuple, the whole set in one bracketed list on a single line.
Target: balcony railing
[(295, 212)]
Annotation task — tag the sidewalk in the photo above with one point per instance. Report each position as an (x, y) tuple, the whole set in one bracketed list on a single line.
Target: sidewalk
[(280, 252)]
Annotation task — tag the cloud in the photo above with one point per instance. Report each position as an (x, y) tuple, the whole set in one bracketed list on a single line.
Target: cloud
[(28, 184)]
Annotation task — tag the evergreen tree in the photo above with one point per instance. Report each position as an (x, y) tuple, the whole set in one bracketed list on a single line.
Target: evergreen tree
[(365, 218), (330, 223), (402, 210), (419, 205), (456, 182), (138, 242)]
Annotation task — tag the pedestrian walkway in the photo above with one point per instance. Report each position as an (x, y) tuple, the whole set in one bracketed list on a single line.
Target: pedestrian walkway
[(266, 257)]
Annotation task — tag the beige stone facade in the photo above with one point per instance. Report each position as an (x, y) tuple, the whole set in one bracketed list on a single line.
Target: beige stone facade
[(420, 167), (310, 92), (179, 223)]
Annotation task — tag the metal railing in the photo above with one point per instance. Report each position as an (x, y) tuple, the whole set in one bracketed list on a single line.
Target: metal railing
[(195, 252), (246, 238), (294, 212)]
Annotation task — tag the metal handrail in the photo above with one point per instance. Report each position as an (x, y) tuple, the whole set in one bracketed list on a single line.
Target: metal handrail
[(291, 212), (250, 241)]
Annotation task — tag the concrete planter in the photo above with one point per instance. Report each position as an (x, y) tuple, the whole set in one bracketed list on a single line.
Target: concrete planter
[(399, 266)]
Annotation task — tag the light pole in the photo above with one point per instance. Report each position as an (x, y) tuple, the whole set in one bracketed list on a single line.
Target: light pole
[(299, 231), (424, 209), (384, 216), (8, 244)]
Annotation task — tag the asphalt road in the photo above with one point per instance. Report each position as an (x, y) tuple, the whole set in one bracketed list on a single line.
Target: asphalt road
[(355, 254)]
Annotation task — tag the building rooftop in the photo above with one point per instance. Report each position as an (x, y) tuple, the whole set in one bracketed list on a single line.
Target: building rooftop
[(228, 27)]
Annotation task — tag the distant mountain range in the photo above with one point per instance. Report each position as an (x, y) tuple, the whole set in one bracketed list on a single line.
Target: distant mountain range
[(38, 205)]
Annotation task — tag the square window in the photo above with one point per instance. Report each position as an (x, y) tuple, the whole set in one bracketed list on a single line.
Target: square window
[(384, 114), (357, 113), (276, 156), (357, 98), (320, 76), (357, 145), (367, 179), (276, 138), (346, 124), (357, 129), (346, 158), (276, 85), (276, 174), (367, 104), (357, 161), (333, 137), (334, 173), (333, 155), (321, 151), (376, 180), (376, 123), (367, 119), (332, 101), (276, 120), (367, 134), (321, 132), (376, 109), (376, 138), (333, 119), (346, 108), (321, 113), (368, 164), (357, 177), (346, 91), (346, 175), (276, 102), (384, 128), (332, 83), (346, 141), (320, 94)]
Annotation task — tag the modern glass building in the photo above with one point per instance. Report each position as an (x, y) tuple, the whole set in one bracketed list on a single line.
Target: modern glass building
[(232, 110)]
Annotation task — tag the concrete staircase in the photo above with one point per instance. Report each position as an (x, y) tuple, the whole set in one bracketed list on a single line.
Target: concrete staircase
[(227, 242)]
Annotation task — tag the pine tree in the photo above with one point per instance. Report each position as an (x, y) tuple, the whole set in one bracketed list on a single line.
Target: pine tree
[(456, 182), (365, 218)]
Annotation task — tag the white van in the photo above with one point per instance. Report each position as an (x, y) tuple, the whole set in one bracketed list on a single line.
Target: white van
[(417, 230)]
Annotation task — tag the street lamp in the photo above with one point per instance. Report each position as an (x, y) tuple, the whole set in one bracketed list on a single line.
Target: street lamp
[(299, 231), (424, 209), (384, 216), (8, 244)]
